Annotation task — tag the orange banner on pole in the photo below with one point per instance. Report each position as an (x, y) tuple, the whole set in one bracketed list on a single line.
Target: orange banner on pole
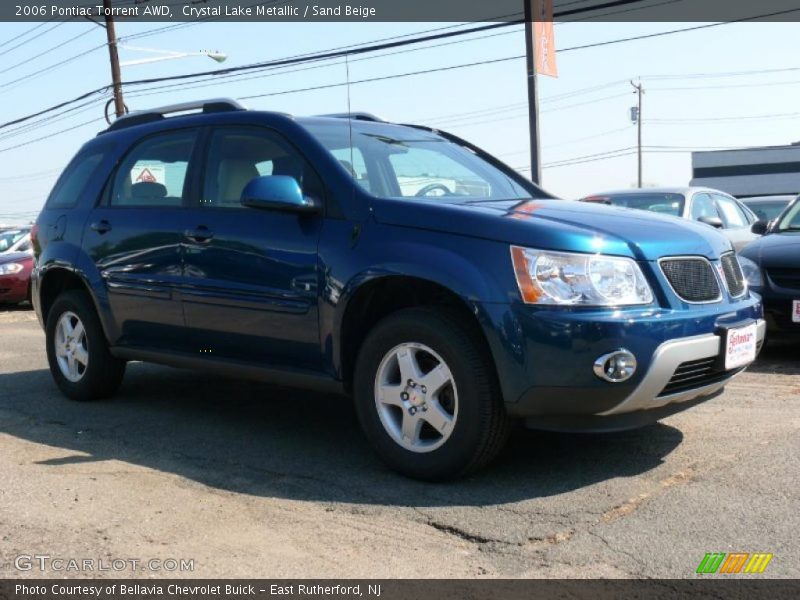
[(544, 41)]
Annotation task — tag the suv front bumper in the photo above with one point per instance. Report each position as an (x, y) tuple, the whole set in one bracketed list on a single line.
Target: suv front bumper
[(544, 362), (666, 360), (648, 403)]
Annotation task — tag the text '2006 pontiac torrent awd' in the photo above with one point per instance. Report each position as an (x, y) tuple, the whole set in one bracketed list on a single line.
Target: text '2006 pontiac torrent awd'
[(399, 264)]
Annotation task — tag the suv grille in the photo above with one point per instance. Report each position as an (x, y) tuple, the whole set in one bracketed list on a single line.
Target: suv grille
[(698, 373), (786, 278), (734, 278), (695, 373), (692, 279)]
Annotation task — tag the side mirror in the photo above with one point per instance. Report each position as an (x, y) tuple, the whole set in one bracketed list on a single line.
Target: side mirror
[(713, 221), (760, 227), (277, 192)]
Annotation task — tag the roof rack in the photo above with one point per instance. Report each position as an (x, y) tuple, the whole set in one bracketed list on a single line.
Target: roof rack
[(356, 116), (157, 114)]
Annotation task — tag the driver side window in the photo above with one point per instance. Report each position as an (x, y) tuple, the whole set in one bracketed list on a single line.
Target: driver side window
[(237, 155), (703, 206)]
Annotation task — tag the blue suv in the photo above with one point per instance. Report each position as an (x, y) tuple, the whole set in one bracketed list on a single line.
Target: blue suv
[(398, 264)]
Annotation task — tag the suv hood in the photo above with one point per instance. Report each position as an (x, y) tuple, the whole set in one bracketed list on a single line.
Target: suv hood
[(561, 225)]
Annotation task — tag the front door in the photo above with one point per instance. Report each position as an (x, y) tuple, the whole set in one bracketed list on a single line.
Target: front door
[(251, 275), (737, 226), (135, 236)]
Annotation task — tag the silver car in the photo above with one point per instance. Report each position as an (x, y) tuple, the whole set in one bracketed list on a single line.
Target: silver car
[(709, 206)]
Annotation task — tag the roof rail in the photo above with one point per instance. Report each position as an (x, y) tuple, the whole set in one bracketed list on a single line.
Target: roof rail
[(356, 116), (157, 114)]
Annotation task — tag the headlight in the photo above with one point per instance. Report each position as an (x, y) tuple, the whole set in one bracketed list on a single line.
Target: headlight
[(751, 272), (10, 268), (546, 277)]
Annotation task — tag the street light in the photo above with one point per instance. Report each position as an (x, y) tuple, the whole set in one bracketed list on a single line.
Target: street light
[(121, 109), (214, 55)]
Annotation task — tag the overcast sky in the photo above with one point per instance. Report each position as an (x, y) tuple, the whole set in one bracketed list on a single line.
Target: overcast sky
[(729, 86)]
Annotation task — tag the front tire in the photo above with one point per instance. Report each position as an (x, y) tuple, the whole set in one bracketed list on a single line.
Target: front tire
[(427, 395), (77, 350)]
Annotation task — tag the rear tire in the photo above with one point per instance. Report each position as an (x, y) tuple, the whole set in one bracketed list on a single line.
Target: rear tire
[(427, 395), (77, 350)]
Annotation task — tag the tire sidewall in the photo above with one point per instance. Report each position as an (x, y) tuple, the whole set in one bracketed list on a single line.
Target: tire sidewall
[(459, 449), (80, 304)]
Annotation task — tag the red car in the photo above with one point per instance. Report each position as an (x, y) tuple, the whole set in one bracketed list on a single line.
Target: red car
[(15, 277)]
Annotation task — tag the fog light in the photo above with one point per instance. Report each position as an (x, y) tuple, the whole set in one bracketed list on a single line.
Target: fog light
[(616, 367)]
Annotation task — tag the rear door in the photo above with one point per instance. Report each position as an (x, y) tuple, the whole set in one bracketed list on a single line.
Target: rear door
[(135, 239), (252, 278)]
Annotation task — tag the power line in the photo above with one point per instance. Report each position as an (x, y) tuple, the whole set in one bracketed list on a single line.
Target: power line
[(277, 71), (588, 160), (320, 56), (7, 86), (31, 176), (703, 120), (263, 65), (48, 51), (365, 49), (24, 33), (50, 135), (30, 39)]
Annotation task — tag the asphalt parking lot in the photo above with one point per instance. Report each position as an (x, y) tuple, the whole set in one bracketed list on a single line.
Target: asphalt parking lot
[(248, 480)]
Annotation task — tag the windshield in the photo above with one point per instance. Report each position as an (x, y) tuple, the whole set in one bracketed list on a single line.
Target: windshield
[(10, 237), (790, 220), (395, 161), (664, 203)]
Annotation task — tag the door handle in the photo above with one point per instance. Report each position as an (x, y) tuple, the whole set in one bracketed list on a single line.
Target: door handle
[(200, 235), (101, 227)]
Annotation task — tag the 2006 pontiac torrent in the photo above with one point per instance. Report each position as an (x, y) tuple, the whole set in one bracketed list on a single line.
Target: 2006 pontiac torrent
[(395, 263)]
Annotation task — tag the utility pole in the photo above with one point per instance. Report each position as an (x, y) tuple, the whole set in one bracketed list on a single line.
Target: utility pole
[(113, 55), (639, 92), (533, 96)]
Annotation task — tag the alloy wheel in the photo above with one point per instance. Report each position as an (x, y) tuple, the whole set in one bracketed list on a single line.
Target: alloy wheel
[(416, 397)]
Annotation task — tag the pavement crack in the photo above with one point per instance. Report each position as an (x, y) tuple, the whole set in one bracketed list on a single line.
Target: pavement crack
[(616, 550), (467, 536)]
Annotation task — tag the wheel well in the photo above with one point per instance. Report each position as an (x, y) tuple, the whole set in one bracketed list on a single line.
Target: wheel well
[(376, 300), (56, 282)]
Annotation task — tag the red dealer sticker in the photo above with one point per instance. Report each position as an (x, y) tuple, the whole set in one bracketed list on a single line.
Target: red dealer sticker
[(740, 347)]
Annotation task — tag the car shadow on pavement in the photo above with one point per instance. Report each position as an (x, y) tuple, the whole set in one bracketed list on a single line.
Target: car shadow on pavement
[(275, 442), (23, 307)]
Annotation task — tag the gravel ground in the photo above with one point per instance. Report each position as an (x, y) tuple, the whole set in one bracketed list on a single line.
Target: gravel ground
[(248, 480)]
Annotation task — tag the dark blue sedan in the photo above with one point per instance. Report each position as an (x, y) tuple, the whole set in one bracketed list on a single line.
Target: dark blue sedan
[(772, 266)]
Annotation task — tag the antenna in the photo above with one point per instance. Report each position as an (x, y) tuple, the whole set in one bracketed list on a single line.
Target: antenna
[(350, 116)]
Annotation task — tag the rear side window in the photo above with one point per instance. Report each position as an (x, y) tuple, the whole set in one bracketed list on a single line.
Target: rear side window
[(154, 172), (73, 181)]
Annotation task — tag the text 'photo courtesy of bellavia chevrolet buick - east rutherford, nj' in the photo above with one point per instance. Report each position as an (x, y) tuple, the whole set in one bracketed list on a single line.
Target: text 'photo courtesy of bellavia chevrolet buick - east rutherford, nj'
[(516, 289)]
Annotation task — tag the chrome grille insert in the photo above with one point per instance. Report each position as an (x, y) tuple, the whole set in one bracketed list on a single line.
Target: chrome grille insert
[(734, 278), (691, 278)]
